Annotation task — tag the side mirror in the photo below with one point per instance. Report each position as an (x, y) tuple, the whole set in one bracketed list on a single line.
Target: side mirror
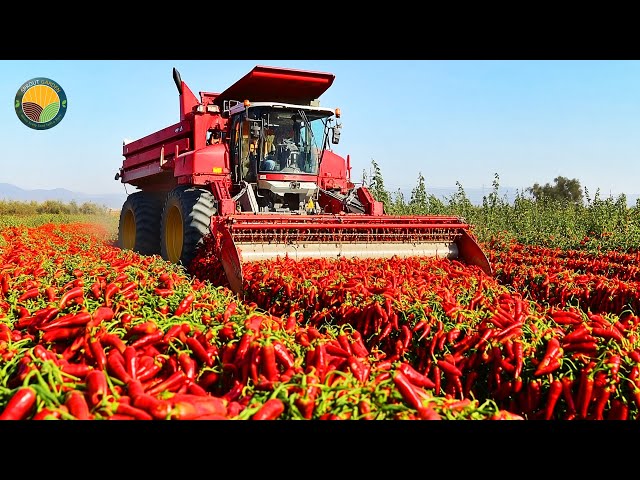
[(335, 137)]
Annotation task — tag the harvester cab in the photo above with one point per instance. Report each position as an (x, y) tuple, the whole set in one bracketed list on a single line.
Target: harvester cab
[(254, 167), (276, 152)]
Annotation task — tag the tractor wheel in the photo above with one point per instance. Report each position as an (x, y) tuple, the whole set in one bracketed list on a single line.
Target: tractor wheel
[(139, 227), (186, 219)]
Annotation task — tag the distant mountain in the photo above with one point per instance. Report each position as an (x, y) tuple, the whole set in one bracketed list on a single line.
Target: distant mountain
[(109, 200)]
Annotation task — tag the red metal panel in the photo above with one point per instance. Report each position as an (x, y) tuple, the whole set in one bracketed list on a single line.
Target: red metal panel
[(153, 153), (278, 84), (181, 129), (139, 172)]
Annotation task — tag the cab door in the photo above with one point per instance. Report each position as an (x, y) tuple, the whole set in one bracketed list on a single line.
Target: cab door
[(243, 151)]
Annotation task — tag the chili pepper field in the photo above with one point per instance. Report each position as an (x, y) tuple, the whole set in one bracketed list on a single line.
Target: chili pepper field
[(92, 332)]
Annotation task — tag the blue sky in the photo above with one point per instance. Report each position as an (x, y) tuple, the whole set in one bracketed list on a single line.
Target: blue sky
[(450, 120)]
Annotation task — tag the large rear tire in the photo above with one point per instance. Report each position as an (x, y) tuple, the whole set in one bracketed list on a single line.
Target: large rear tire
[(186, 219), (139, 226)]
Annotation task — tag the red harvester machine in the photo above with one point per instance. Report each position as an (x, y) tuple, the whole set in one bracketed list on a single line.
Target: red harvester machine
[(253, 166)]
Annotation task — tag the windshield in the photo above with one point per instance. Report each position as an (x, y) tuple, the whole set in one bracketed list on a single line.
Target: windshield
[(291, 140)]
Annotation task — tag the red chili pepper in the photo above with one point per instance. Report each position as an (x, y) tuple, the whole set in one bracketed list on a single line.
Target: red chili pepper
[(165, 278), (96, 289), (79, 319), (185, 304), (60, 334), (191, 407), (314, 333), (143, 328), (97, 387), (230, 310), (102, 314), (344, 343), (135, 388), (113, 340), (40, 317), (601, 402), (137, 413), (416, 377), (20, 404), (269, 365), (555, 390), (567, 384), (48, 414), (553, 351), (283, 355), (130, 361), (4, 284), (408, 391), (270, 410), (31, 293), (77, 405), (619, 410), (360, 369), (188, 365), (336, 351), (607, 333), (148, 368), (614, 365), (173, 332), (581, 347), (194, 389), (581, 334), (566, 318), (586, 389), (98, 353), (148, 339), (75, 292), (115, 367), (359, 349), (243, 347), (171, 384), (110, 290), (79, 370), (200, 351), (208, 379), (163, 292), (128, 287), (158, 409), (43, 354), (554, 365), (449, 368)]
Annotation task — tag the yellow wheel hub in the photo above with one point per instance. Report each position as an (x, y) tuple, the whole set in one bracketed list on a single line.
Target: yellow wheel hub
[(173, 234), (128, 230)]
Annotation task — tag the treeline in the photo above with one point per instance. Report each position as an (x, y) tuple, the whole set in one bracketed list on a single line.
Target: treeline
[(50, 207), (599, 223)]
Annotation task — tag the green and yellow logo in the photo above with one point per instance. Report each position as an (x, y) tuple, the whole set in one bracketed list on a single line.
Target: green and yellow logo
[(41, 103)]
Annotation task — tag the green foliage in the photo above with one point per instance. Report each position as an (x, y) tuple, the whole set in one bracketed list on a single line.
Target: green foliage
[(376, 187), (553, 221), (51, 207), (562, 190)]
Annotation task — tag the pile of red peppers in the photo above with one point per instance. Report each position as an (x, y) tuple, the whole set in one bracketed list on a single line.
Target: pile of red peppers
[(89, 331)]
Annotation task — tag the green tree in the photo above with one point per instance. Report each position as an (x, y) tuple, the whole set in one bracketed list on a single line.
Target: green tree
[(377, 185), (418, 201), (563, 189)]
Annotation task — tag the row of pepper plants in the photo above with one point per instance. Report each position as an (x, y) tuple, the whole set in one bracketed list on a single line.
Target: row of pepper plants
[(88, 331)]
